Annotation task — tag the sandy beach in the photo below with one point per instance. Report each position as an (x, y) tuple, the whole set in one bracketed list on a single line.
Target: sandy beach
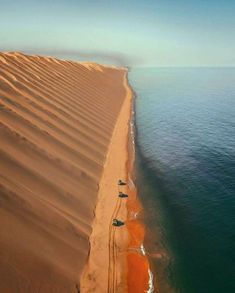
[(116, 261), (56, 123), (104, 271)]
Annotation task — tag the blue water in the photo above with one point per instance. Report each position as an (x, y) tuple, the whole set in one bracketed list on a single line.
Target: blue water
[(185, 136)]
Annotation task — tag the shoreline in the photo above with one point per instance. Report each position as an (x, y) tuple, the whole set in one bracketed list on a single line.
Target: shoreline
[(140, 277), (117, 258)]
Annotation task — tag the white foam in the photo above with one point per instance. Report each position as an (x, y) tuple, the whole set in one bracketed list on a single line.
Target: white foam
[(142, 249), (150, 282), (151, 287), (136, 215)]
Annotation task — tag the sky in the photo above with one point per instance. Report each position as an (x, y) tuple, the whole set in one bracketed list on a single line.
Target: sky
[(131, 33)]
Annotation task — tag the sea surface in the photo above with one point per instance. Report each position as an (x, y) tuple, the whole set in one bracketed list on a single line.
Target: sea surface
[(185, 138)]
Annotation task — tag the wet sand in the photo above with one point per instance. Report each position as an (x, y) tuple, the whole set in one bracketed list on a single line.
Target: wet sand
[(138, 264), (138, 278)]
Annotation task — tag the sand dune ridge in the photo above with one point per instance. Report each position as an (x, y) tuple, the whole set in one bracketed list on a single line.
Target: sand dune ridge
[(56, 121)]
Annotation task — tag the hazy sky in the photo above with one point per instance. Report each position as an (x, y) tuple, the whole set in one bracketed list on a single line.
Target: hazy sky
[(144, 33)]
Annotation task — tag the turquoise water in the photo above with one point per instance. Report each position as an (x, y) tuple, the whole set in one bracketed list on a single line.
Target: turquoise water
[(185, 137)]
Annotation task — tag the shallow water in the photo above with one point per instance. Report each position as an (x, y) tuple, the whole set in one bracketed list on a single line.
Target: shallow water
[(185, 123)]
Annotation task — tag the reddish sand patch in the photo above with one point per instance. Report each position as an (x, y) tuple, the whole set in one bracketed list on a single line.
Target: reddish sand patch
[(138, 273), (138, 265)]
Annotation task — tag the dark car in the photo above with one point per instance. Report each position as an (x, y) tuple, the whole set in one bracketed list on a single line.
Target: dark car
[(120, 182), (121, 194), (117, 223)]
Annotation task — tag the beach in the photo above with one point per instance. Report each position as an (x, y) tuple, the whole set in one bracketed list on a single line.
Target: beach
[(116, 261), (107, 256)]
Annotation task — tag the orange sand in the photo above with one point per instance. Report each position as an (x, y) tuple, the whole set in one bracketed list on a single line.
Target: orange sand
[(138, 264), (56, 123)]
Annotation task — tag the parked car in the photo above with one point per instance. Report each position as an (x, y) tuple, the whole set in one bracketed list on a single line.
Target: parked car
[(120, 182), (121, 194), (117, 223)]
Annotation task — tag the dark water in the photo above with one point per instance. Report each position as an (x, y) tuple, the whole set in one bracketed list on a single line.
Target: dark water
[(185, 120)]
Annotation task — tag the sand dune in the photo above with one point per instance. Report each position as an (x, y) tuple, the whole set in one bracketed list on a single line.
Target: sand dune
[(56, 122)]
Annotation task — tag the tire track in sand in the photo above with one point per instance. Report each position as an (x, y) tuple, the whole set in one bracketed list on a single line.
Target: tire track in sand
[(112, 278)]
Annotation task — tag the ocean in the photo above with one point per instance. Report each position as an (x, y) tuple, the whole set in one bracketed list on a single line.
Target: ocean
[(185, 175)]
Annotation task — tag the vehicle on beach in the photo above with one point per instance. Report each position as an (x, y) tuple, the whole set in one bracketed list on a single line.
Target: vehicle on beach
[(120, 182), (121, 194), (117, 223)]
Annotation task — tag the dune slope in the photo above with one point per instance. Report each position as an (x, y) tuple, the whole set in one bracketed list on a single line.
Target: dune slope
[(56, 122)]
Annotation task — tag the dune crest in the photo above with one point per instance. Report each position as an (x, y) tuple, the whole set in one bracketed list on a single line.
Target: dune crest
[(57, 118)]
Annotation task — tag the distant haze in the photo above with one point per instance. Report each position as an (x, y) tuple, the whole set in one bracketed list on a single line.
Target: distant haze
[(135, 33), (106, 57)]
